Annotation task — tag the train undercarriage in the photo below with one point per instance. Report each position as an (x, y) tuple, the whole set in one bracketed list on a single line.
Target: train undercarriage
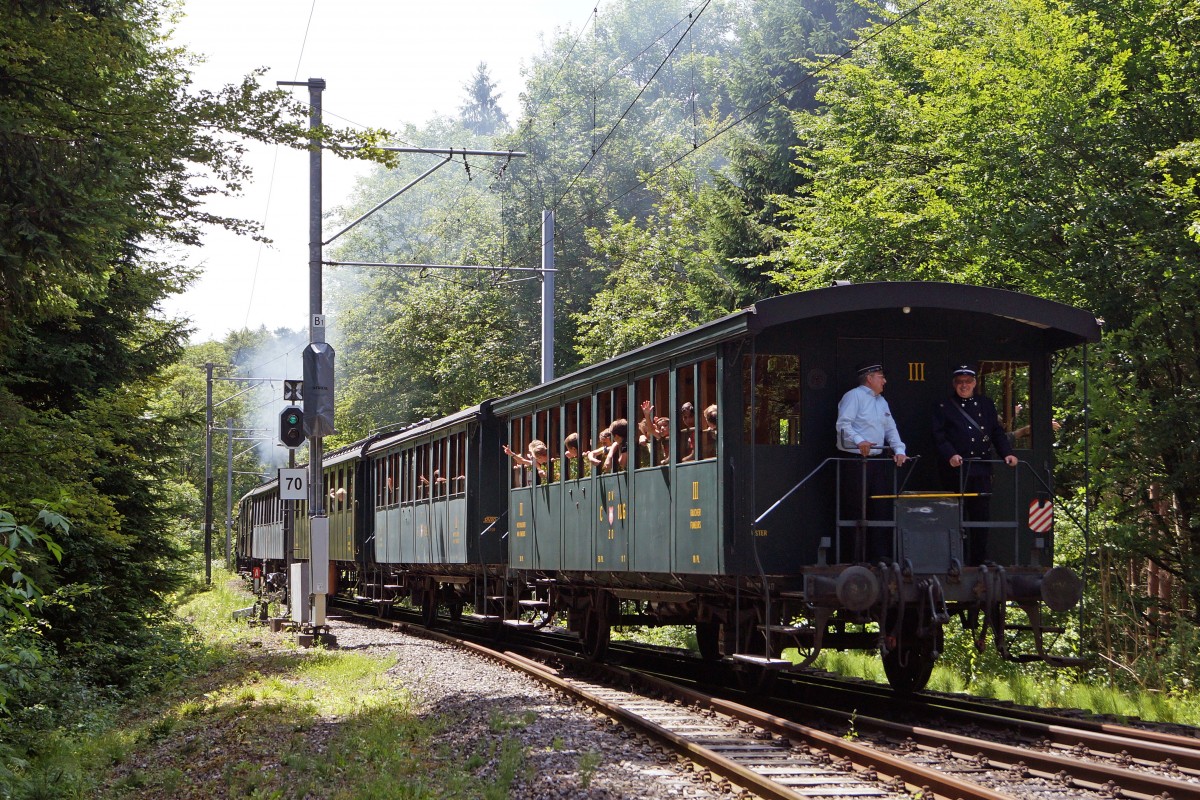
[(754, 623)]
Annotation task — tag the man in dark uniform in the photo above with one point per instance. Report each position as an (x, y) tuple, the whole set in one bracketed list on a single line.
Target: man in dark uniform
[(966, 427)]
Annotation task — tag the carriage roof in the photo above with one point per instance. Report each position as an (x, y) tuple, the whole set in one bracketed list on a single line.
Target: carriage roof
[(1060, 325)]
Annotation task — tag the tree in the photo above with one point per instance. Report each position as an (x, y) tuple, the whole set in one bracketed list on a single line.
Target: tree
[(107, 153), (602, 111), (400, 331), (782, 47), (662, 276), (1042, 146), (481, 113)]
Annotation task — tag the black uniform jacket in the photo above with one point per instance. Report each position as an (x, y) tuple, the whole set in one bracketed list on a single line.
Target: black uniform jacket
[(952, 433)]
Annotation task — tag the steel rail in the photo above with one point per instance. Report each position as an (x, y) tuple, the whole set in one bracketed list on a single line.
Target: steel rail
[(916, 777)]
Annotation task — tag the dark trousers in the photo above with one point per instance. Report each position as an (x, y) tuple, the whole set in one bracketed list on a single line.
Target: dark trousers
[(867, 543), (976, 481)]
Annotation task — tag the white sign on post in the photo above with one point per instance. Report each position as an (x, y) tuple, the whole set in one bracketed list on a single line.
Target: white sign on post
[(293, 484)]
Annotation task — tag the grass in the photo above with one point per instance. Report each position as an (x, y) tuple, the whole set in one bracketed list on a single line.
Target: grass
[(1059, 691), (1046, 688), (269, 722)]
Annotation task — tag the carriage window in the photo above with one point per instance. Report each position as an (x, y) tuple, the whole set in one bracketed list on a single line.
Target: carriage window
[(611, 407), (652, 433), (455, 477), (409, 481), (520, 437), (707, 415), (547, 431), (696, 396), (577, 419), (685, 398), (423, 471), (438, 478), (405, 477), (387, 480), (393, 479), (776, 413), (1007, 383)]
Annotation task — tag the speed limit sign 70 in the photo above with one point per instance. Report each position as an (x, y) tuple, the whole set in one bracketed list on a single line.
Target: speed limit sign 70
[(293, 484)]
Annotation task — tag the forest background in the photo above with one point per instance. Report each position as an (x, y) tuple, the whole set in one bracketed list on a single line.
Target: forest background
[(698, 156)]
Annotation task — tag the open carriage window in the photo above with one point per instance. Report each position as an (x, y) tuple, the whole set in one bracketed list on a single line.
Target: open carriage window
[(706, 416), (577, 440), (408, 465), (611, 408), (775, 414), (652, 432), (458, 464), (696, 395), (547, 430), (520, 436), (1007, 384), (393, 479)]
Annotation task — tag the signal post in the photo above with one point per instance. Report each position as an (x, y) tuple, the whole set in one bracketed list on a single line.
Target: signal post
[(318, 408), (318, 397)]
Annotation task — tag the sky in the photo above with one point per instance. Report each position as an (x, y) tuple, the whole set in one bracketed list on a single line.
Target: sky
[(385, 63)]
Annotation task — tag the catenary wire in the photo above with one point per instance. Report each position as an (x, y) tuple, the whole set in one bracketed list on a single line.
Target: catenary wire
[(271, 181)]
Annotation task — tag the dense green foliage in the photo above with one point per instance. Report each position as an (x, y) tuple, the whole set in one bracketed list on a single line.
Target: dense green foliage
[(1042, 146), (653, 227), (107, 154)]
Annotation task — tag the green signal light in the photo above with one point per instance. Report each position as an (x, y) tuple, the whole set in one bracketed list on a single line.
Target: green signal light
[(291, 432)]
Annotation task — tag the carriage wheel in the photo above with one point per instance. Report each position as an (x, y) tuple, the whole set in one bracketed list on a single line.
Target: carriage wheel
[(597, 630), (708, 640), (909, 665), (429, 608)]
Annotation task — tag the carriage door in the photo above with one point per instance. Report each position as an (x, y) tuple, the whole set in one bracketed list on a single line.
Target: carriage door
[(918, 374)]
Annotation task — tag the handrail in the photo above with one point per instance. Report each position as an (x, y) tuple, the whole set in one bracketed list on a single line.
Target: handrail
[(1037, 476), (789, 493), (808, 477)]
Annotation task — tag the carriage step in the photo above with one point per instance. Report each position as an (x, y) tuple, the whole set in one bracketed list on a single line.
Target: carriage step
[(393, 587), (539, 604), (481, 617), (786, 630), (1031, 628), (518, 623), (792, 595), (763, 662)]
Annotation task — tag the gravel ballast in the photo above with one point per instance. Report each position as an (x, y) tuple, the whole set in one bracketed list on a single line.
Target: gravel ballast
[(569, 752)]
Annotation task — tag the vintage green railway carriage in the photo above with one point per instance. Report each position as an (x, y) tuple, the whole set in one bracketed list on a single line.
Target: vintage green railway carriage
[(731, 519), (434, 495), (260, 536)]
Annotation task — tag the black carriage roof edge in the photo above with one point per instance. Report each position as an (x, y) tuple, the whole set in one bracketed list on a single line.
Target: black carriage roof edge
[(1067, 326), (423, 427)]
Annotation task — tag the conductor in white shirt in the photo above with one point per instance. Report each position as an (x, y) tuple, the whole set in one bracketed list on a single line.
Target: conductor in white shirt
[(865, 427)]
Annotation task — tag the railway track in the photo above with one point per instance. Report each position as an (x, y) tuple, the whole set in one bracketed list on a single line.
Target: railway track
[(784, 747)]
